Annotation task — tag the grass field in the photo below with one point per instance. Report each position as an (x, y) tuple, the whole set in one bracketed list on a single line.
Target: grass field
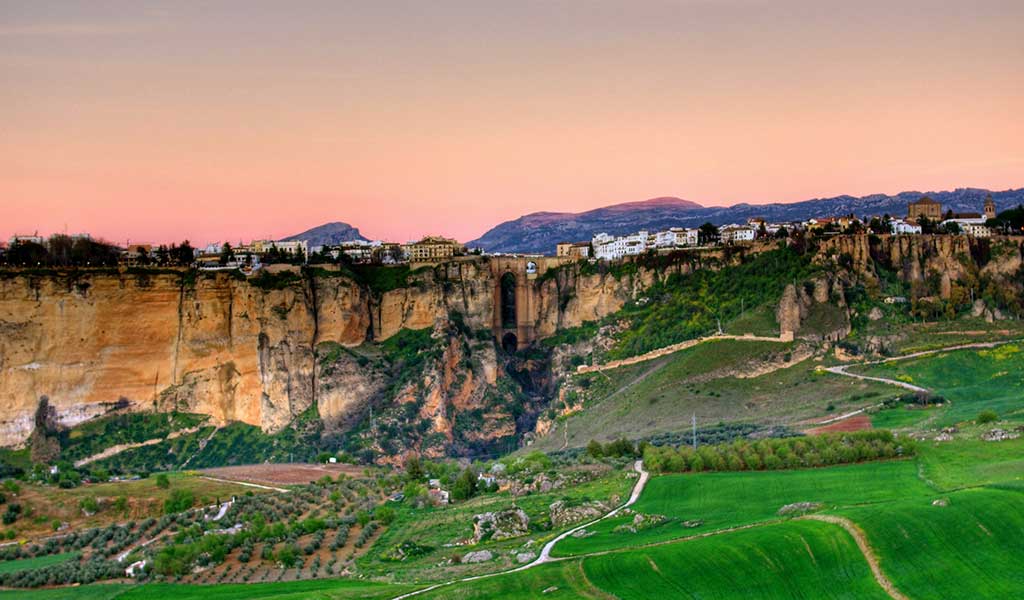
[(24, 564), (340, 589), (971, 548), (797, 559), (724, 500), (973, 380), (661, 395)]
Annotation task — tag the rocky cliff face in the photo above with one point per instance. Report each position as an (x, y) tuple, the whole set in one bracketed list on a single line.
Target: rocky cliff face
[(219, 345), (916, 258)]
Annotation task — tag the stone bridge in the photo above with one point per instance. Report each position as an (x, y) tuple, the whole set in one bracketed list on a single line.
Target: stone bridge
[(517, 297)]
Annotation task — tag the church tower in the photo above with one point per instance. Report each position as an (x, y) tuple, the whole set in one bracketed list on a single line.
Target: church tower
[(990, 208)]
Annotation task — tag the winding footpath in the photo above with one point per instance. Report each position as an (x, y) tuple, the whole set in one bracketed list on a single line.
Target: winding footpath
[(545, 552), (842, 369)]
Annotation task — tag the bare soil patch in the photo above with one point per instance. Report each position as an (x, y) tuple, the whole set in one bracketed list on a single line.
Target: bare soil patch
[(283, 474), (855, 423)]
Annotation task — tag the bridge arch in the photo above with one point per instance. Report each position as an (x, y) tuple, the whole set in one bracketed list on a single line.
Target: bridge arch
[(509, 318)]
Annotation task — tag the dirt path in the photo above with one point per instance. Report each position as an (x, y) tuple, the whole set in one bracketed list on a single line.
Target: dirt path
[(545, 553), (246, 483), (632, 360), (866, 550), (119, 448)]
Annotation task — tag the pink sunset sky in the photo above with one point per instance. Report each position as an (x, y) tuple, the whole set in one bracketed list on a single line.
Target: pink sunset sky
[(239, 120)]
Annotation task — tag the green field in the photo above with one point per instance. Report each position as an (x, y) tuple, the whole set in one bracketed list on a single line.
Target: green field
[(661, 395), (24, 564), (973, 380), (797, 559), (971, 548), (724, 500), (341, 589)]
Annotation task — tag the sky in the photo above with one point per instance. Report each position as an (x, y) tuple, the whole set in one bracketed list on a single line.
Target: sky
[(157, 122)]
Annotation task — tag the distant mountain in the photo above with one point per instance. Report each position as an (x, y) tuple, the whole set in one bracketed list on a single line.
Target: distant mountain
[(328, 234), (539, 232)]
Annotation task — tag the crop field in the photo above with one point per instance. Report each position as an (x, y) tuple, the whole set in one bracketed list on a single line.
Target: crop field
[(283, 473), (971, 547), (724, 500), (10, 566), (797, 559), (973, 380), (709, 381)]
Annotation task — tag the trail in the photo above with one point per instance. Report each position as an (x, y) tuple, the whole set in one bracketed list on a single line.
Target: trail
[(866, 550), (545, 553), (119, 448), (632, 360)]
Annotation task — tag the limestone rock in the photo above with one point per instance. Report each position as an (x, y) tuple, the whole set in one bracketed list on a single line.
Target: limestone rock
[(501, 525)]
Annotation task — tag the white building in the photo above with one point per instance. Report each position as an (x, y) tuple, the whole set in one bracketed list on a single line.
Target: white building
[(732, 234), (902, 227), (675, 237), (971, 226), (25, 239), (607, 247)]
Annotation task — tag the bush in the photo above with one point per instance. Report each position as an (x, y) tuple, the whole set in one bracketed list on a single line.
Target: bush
[(89, 505), (162, 481), (987, 416), (180, 500)]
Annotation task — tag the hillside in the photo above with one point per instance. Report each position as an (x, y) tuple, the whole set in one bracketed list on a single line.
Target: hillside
[(327, 234), (539, 232)]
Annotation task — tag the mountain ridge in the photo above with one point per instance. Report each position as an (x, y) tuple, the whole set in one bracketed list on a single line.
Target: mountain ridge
[(539, 232)]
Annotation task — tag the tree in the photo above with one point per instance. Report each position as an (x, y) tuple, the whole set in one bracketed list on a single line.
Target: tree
[(707, 234), (162, 481), (414, 468), (987, 416), (226, 254), (180, 500), (594, 449), (465, 486)]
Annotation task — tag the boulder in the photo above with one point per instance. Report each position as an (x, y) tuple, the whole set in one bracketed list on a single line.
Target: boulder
[(500, 525), (562, 514), (478, 556), (525, 557)]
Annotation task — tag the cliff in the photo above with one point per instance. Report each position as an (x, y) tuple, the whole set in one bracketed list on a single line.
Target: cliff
[(216, 344)]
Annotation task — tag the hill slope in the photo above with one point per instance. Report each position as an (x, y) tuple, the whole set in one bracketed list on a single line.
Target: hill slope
[(539, 232), (328, 233)]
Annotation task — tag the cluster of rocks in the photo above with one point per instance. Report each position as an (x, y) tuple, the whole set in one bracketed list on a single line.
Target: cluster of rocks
[(640, 522), (500, 525), (798, 508), (946, 435), (998, 435), (540, 484), (562, 514)]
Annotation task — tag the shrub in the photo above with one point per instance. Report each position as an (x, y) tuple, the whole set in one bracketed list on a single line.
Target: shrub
[(987, 416), (162, 481)]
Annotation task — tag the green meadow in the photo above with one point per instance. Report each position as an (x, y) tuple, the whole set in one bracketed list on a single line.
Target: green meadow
[(725, 500), (972, 380)]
